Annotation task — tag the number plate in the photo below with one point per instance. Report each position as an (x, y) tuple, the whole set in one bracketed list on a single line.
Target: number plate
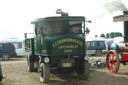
[(66, 64)]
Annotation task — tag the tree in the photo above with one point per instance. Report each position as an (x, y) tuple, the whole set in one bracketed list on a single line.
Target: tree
[(119, 34), (112, 35), (115, 34), (102, 35), (96, 36), (107, 35)]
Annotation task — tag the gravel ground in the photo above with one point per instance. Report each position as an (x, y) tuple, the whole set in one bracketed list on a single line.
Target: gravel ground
[(15, 72)]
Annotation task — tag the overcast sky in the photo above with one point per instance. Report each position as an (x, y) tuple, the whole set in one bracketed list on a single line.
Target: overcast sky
[(16, 15)]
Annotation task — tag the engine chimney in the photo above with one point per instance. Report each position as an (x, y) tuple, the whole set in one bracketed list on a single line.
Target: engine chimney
[(125, 12), (125, 27)]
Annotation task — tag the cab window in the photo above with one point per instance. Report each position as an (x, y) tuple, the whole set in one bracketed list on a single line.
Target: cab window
[(38, 29), (76, 27)]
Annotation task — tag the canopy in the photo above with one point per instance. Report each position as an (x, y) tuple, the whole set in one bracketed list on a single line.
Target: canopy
[(120, 18)]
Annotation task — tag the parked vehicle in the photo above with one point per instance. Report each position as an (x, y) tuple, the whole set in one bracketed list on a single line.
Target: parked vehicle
[(58, 43), (18, 44), (97, 47), (1, 75), (7, 50)]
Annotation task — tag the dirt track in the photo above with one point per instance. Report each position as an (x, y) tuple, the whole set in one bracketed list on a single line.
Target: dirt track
[(15, 73)]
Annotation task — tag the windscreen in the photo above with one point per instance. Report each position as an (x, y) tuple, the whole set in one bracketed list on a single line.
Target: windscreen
[(61, 27), (53, 27)]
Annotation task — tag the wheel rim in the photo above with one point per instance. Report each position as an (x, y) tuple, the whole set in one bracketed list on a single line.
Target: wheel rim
[(5, 57), (41, 72), (44, 73), (112, 61)]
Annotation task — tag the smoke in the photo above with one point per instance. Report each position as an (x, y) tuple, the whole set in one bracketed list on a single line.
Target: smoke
[(115, 5)]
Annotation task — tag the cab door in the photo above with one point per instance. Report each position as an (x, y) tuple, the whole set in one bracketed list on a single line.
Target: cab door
[(37, 44), (37, 39)]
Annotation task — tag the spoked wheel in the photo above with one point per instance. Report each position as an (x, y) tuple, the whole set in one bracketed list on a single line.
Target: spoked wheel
[(44, 72), (112, 61)]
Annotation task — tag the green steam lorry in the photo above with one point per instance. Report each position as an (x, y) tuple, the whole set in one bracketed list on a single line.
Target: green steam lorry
[(58, 42)]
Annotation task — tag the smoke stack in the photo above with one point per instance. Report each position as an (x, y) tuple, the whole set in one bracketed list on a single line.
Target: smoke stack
[(125, 27), (125, 12)]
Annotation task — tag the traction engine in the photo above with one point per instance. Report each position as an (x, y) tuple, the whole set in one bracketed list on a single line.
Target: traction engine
[(118, 53)]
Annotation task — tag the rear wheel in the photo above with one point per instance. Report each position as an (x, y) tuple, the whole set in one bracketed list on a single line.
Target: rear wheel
[(112, 61), (98, 52), (30, 64), (5, 56), (44, 72), (83, 71)]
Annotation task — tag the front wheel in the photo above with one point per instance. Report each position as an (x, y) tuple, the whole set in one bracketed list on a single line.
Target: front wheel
[(30, 64), (112, 61), (44, 72), (83, 71)]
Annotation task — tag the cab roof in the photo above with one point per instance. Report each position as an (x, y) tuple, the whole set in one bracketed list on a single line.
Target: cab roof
[(120, 18), (80, 18)]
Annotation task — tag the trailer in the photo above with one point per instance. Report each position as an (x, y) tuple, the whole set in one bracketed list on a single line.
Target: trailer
[(118, 53), (58, 43)]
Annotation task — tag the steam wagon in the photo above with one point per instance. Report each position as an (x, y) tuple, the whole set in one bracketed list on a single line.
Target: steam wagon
[(59, 43), (118, 53)]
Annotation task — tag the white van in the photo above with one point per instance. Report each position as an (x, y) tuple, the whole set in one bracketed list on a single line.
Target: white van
[(18, 44)]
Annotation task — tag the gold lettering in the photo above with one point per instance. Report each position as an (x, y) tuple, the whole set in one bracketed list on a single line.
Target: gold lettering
[(68, 51), (67, 46), (67, 40)]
